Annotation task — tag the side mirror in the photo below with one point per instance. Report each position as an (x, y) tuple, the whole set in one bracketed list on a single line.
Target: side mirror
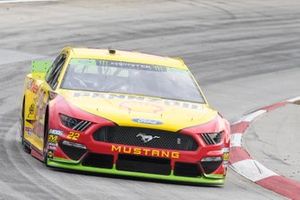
[(39, 68)]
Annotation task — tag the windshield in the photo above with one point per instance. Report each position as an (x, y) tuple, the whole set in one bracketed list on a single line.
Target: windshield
[(131, 78)]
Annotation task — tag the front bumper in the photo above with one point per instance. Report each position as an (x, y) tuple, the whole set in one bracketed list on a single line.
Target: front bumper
[(169, 160), (180, 166), (213, 179)]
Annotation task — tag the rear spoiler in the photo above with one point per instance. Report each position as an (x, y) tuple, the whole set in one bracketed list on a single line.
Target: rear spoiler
[(39, 68)]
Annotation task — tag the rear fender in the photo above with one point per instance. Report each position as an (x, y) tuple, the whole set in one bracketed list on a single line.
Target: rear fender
[(39, 68)]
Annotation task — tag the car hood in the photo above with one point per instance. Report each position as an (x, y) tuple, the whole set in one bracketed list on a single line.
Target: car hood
[(141, 111)]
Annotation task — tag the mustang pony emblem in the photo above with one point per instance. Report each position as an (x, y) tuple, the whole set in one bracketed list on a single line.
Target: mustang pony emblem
[(146, 138)]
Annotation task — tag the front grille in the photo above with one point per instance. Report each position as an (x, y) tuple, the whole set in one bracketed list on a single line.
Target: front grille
[(187, 169), (145, 138), (98, 160), (143, 164)]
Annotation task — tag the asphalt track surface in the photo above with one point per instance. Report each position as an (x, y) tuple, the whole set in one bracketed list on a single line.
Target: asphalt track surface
[(246, 54)]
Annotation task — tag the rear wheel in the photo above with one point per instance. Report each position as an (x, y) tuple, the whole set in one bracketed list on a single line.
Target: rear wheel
[(26, 145)]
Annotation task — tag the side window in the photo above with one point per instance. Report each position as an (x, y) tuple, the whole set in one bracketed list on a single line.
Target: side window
[(54, 72), (52, 67)]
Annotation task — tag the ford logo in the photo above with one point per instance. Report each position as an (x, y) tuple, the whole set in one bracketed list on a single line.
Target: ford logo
[(147, 121)]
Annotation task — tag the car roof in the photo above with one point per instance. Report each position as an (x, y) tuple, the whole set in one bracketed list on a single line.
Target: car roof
[(125, 56)]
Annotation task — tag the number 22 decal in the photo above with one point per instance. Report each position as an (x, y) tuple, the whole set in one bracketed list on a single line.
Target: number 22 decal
[(73, 136)]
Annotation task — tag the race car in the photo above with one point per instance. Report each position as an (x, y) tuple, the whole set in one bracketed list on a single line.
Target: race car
[(123, 113)]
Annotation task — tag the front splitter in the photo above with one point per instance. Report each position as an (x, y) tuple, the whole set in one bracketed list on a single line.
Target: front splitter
[(213, 180)]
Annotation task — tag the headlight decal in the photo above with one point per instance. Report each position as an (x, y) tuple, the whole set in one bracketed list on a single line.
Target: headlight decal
[(73, 123), (212, 138)]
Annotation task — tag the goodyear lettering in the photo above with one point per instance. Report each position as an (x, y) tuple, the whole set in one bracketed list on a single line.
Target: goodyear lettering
[(145, 152)]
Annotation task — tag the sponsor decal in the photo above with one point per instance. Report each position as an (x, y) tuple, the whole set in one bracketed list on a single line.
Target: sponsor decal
[(56, 132), (225, 156), (141, 106), (50, 154), (147, 121), (31, 111), (73, 136), (145, 152), (52, 147), (28, 130), (167, 102), (52, 139), (146, 138), (32, 86)]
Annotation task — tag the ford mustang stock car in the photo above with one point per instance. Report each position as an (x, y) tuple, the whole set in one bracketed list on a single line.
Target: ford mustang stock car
[(123, 113)]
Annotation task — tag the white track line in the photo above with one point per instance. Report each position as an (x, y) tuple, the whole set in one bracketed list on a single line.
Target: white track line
[(236, 140), (252, 170), (252, 116)]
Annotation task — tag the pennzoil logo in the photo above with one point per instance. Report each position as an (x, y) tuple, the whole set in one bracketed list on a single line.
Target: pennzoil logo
[(145, 152)]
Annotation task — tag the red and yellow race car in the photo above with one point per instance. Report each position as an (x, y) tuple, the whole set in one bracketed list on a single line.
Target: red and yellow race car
[(123, 113)]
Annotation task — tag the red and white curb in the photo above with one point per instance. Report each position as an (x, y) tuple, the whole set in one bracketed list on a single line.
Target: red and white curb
[(242, 163)]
